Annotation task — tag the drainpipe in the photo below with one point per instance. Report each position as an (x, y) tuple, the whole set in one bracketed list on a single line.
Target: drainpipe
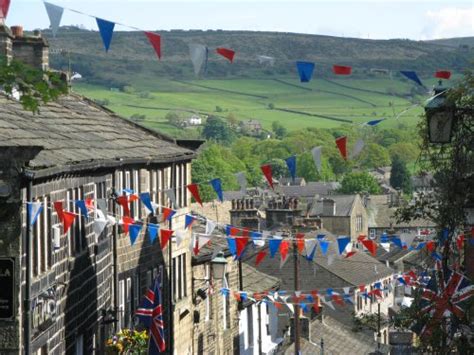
[(27, 299), (114, 257), (259, 306), (170, 260)]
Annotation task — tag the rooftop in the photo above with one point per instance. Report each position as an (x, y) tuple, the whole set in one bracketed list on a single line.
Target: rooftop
[(344, 204), (76, 133)]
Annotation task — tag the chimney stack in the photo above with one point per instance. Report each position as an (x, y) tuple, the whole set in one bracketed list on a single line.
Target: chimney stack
[(31, 50), (6, 43)]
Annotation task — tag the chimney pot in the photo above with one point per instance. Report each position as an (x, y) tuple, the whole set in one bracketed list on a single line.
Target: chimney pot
[(17, 31)]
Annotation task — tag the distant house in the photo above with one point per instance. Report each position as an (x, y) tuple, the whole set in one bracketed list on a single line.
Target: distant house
[(309, 190), (194, 120), (299, 181), (252, 126), (422, 183), (381, 218), (341, 214), (382, 174)]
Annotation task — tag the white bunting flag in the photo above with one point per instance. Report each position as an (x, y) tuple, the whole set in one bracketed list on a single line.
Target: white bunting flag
[(111, 219), (210, 226), (55, 13), (407, 238), (102, 205), (179, 236), (199, 55), (172, 196), (310, 244), (316, 152), (327, 303), (357, 149), (99, 225)]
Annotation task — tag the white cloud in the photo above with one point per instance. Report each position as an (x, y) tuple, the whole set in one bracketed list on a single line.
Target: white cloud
[(449, 22)]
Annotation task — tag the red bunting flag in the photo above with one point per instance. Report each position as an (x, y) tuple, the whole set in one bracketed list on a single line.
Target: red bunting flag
[(58, 206), (370, 245), (341, 70), (300, 242), (361, 237), (233, 231), (68, 219), (431, 246), (126, 222), (341, 143), (89, 203), (443, 74), (167, 213), (338, 299), (267, 171), (4, 6), (133, 198), (237, 296), (227, 53), (316, 304), (377, 293), (194, 189), (260, 256), (278, 305), (123, 201), (165, 235), (155, 41), (349, 254), (241, 243), (284, 248), (362, 288)]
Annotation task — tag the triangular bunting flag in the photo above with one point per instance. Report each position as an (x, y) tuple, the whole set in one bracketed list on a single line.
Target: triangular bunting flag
[(55, 13), (300, 242), (370, 245), (194, 189), (168, 213), (155, 41), (134, 231), (267, 172), (4, 6), (199, 55), (310, 246), (357, 148), (274, 245), (179, 237), (102, 205), (188, 221), (217, 186), (291, 164), (284, 248), (324, 245), (342, 243), (241, 243), (412, 76), (34, 210), (165, 235), (232, 246), (443, 74), (82, 207), (123, 201), (210, 226), (146, 200), (260, 256), (106, 29), (172, 196), (226, 53), (58, 206), (316, 153), (341, 143), (305, 70), (99, 225), (374, 122), (341, 70), (153, 232), (68, 219)]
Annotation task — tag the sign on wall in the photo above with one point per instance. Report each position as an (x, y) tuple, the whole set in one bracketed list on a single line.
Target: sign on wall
[(7, 279)]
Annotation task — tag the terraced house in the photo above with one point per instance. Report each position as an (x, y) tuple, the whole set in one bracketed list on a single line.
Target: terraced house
[(66, 292)]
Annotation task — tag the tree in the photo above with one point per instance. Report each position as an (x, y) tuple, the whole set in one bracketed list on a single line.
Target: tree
[(218, 130), (34, 86), (359, 182), (407, 152), (400, 176), (278, 129), (374, 156), (232, 120), (173, 118)]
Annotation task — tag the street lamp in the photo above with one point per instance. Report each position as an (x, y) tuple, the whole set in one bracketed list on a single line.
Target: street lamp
[(219, 264), (440, 117)]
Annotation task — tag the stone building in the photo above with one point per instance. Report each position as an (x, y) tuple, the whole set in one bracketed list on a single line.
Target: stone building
[(69, 291)]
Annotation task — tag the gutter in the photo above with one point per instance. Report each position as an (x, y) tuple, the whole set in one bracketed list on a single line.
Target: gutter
[(27, 299), (104, 164)]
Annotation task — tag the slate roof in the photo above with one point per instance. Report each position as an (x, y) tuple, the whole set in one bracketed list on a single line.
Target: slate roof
[(256, 281), (339, 339), (76, 133), (298, 181), (310, 190), (344, 205), (359, 269), (381, 215)]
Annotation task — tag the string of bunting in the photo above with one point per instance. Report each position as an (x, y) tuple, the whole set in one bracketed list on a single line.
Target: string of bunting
[(199, 53)]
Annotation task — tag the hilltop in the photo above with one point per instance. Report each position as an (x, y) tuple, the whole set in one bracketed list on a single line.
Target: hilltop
[(131, 58)]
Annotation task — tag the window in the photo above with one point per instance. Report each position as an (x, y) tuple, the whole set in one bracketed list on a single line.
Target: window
[(179, 277), (129, 306), (121, 309), (250, 325), (226, 305), (372, 233), (41, 246), (208, 298), (359, 223)]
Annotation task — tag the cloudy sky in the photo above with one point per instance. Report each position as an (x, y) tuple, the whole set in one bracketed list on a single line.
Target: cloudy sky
[(376, 19)]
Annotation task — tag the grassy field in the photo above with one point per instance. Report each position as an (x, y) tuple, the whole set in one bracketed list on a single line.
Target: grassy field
[(357, 101)]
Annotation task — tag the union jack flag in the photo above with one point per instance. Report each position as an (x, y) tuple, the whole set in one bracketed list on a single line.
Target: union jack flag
[(444, 296), (150, 313)]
